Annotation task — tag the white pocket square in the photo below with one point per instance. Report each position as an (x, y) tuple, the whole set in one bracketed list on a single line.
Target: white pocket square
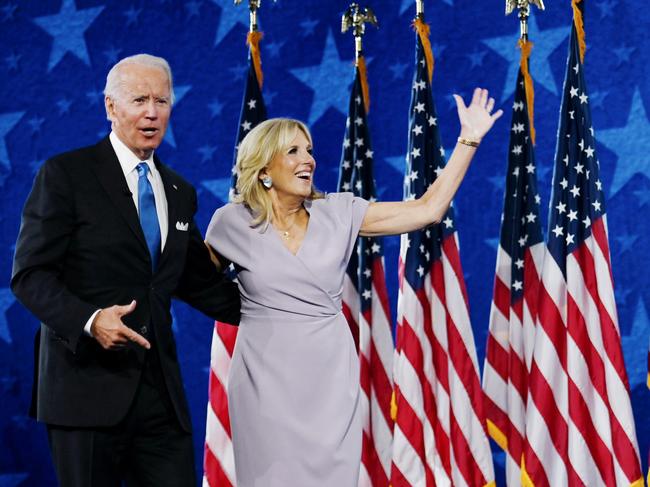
[(183, 227)]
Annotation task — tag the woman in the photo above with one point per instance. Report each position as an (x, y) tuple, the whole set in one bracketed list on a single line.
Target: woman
[(294, 381)]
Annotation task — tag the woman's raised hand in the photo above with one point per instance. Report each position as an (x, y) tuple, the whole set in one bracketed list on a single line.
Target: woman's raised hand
[(477, 118)]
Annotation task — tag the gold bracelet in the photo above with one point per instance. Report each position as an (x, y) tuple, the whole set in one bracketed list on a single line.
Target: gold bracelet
[(470, 142)]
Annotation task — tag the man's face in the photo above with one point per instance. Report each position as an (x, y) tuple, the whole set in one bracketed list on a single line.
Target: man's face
[(141, 110)]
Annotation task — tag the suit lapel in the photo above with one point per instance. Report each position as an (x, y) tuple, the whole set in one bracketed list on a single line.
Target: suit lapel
[(109, 173)]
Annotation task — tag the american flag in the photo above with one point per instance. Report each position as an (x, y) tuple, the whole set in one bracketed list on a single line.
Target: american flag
[(514, 304), (218, 459), (579, 424), (439, 436), (365, 300)]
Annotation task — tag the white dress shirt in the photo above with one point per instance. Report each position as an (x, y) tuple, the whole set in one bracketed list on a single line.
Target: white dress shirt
[(129, 162)]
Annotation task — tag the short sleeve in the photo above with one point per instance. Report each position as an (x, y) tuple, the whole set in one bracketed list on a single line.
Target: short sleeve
[(222, 231), (350, 210)]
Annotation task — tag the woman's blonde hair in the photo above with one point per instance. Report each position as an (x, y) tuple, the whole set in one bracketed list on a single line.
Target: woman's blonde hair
[(255, 152)]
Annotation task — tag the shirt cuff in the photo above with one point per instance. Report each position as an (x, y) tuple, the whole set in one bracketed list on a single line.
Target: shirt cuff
[(90, 322)]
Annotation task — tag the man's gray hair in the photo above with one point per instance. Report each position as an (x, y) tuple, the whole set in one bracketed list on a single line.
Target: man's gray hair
[(114, 79)]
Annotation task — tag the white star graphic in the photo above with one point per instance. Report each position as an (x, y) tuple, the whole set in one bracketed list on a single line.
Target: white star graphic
[(68, 28)]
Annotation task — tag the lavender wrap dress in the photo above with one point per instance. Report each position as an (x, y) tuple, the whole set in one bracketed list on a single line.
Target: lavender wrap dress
[(293, 388)]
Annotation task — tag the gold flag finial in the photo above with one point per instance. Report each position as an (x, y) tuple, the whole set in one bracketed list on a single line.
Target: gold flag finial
[(253, 6), (524, 12), (355, 18)]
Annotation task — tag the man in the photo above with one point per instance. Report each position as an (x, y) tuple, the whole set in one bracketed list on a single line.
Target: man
[(107, 237)]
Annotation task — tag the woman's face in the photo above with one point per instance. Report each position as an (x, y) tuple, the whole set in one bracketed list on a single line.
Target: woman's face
[(292, 170)]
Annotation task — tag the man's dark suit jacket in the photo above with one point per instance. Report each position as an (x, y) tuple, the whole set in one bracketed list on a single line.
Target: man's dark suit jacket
[(81, 248)]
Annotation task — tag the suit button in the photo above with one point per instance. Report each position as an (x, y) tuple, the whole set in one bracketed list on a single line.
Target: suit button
[(143, 330)]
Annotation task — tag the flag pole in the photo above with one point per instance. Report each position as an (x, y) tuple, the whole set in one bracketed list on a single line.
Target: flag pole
[(254, 37), (526, 47), (355, 18)]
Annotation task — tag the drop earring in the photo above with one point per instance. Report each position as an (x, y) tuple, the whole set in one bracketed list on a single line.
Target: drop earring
[(267, 181)]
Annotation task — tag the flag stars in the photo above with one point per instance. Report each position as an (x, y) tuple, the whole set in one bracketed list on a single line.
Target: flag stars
[(518, 106), (420, 271), (519, 263), (251, 103), (438, 171), (515, 171), (246, 126), (564, 183), (345, 164), (599, 185), (583, 98), (367, 272), (517, 285), (572, 215), (597, 205), (413, 175), (358, 164), (589, 151), (522, 240), (358, 121), (566, 160), (359, 142), (419, 85), (530, 168), (573, 91), (358, 185), (518, 128), (586, 222), (367, 294), (580, 168), (419, 107), (346, 143), (517, 150), (575, 191), (569, 239), (369, 154), (572, 115), (448, 222), (432, 121), (415, 152), (561, 207), (558, 230), (538, 199), (346, 186), (576, 68), (531, 217), (375, 248), (417, 129)]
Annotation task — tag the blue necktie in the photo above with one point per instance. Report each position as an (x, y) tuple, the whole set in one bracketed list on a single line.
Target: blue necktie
[(148, 215)]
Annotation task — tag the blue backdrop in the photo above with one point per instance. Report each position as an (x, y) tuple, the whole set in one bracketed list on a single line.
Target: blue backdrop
[(54, 56)]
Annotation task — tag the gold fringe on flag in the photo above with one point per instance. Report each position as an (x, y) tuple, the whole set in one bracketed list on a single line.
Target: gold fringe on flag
[(253, 41), (526, 47), (526, 481), (363, 74), (423, 31), (580, 28)]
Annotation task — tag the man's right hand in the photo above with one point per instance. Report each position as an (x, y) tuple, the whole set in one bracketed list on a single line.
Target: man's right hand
[(111, 333)]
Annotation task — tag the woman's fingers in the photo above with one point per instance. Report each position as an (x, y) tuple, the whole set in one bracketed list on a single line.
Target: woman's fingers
[(490, 105), (496, 115), (460, 104), (476, 96)]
